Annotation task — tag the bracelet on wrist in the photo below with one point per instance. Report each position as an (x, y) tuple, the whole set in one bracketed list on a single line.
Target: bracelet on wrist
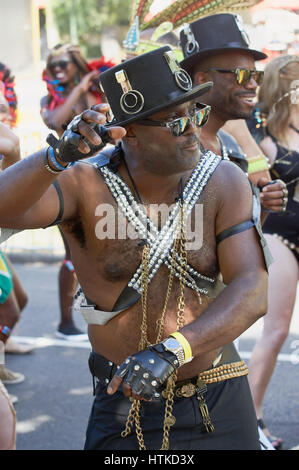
[(52, 157), (46, 163), (258, 163), (185, 345), (5, 330)]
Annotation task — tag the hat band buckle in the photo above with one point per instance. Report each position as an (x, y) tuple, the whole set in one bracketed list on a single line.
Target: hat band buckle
[(132, 101), (182, 78), (192, 45)]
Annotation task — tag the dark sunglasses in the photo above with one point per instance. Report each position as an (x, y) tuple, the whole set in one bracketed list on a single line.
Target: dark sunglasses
[(243, 76), (59, 63), (178, 126)]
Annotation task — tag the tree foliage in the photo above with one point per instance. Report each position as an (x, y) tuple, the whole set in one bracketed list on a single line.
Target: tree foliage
[(84, 21)]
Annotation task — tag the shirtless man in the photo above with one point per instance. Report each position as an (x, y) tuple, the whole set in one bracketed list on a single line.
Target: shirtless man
[(153, 99)]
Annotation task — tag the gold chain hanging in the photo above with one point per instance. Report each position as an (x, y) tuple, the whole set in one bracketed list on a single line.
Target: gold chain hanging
[(178, 246)]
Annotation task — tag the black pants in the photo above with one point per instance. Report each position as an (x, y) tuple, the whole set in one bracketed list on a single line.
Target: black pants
[(230, 407)]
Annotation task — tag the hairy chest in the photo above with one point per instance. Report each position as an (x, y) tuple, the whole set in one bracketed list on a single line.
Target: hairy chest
[(114, 245)]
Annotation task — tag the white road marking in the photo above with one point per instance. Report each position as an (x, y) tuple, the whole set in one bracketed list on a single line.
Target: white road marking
[(43, 342)]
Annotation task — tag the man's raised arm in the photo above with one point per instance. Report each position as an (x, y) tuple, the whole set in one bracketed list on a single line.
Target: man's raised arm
[(27, 198)]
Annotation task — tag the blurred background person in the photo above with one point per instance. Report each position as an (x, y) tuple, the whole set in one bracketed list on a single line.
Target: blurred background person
[(9, 154), (7, 420), (275, 127), (73, 86), (13, 298)]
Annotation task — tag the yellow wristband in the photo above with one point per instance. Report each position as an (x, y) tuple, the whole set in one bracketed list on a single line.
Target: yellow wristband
[(184, 343), (258, 163)]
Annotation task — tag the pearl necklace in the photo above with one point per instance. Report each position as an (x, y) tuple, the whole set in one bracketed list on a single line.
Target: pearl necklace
[(161, 242)]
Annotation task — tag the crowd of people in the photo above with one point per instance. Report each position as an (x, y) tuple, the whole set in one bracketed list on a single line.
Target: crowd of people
[(164, 326)]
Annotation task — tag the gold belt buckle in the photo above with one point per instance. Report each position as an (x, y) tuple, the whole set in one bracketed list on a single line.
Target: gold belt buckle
[(186, 391)]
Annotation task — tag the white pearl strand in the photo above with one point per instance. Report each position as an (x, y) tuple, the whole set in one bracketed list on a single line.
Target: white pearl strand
[(162, 240), (194, 195), (125, 209), (159, 244)]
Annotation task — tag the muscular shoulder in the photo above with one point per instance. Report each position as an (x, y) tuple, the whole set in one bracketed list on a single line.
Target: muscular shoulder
[(82, 185), (77, 176), (233, 193), (229, 178)]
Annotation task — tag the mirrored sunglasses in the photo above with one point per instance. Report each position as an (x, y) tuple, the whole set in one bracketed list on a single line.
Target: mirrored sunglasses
[(178, 126), (243, 76)]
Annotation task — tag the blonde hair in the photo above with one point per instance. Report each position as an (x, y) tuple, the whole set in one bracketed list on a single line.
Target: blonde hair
[(276, 92)]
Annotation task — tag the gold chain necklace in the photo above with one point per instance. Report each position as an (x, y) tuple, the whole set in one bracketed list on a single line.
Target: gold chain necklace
[(179, 246)]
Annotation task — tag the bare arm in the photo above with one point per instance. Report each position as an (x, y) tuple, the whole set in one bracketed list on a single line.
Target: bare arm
[(239, 130), (9, 146), (242, 266), (27, 198), (271, 195)]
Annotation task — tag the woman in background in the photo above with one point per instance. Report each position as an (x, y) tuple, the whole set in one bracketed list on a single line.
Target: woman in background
[(275, 127), (73, 86)]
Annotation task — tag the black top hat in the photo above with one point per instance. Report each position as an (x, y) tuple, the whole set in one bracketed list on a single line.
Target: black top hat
[(146, 85), (214, 34)]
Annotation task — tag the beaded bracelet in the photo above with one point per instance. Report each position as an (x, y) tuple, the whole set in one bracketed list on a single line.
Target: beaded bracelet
[(5, 330)]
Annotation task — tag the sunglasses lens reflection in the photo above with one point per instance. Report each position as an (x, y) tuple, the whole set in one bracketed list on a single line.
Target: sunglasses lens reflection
[(202, 116), (179, 126), (245, 75)]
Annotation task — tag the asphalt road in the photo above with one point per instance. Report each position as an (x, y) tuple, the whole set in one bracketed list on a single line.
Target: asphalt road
[(55, 399)]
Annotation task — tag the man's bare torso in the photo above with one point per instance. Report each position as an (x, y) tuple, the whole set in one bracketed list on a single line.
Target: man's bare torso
[(104, 267)]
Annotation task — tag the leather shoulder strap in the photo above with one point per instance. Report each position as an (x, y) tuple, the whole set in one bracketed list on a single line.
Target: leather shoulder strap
[(234, 151), (109, 156)]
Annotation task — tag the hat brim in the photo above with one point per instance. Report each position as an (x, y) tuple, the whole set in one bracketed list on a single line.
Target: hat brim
[(189, 62), (188, 96)]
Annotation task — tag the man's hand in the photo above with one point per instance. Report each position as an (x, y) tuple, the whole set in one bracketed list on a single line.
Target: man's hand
[(144, 373), (85, 135), (274, 195)]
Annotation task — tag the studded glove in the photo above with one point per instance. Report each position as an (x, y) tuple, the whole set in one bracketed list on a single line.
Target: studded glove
[(146, 371), (66, 148)]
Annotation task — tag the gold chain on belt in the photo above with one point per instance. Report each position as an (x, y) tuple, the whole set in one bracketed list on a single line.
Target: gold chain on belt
[(179, 246)]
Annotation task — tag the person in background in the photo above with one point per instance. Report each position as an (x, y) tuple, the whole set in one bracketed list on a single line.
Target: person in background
[(7, 420), (73, 86), (275, 127), (9, 154), (13, 299), (228, 61)]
